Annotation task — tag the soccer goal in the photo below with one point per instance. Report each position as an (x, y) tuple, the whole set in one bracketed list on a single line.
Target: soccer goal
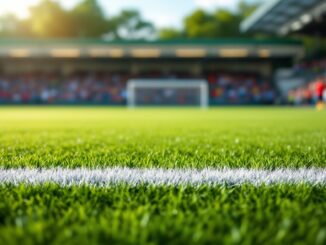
[(161, 92)]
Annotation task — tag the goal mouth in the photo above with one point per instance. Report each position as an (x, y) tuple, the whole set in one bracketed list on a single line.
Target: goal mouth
[(167, 92)]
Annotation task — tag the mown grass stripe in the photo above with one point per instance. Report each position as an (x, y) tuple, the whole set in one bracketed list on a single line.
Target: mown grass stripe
[(159, 176)]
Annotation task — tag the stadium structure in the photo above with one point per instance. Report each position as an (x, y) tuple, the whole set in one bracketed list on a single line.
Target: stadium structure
[(97, 71), (289, 16)]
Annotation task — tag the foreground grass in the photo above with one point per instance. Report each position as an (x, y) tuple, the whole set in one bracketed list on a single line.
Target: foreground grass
[(92, 137), (97, 137), (163, 215)]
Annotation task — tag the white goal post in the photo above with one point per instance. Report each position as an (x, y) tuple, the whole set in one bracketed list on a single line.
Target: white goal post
[(191, 90)]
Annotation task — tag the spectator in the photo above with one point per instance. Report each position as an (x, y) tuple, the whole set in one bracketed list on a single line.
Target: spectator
[(106, 88)]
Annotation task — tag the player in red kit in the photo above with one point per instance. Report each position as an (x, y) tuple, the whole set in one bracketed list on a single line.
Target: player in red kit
[(319, 89)]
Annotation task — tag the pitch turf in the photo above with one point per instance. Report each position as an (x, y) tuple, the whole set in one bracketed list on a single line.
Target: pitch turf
[(90, 137), (254, 138)]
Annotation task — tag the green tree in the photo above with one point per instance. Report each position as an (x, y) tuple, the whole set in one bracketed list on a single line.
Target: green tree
[(228, 23), (245, 9), (129, 24), (221, 23), (213, 24), (170, 33), (49, 19), (89, 19), (200, 24)]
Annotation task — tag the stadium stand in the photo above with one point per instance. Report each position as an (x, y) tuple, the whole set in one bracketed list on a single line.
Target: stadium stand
[(240, 89), (106, 88), (97, 72)]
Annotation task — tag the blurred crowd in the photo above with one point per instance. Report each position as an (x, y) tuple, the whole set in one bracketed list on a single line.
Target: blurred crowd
[(316, 66), (107, 88), (240, 89), (52, 89)]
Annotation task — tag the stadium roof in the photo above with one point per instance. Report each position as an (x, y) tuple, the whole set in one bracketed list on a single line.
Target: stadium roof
[(76, 41), (285, 16), (97, 48)]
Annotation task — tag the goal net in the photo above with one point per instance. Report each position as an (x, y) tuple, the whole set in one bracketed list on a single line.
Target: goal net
[(160, 92)]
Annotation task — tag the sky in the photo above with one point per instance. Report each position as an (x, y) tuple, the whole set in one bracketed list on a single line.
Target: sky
[(161, 12)]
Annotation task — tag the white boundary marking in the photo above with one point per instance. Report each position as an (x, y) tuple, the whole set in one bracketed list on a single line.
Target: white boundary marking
[(159, 177)]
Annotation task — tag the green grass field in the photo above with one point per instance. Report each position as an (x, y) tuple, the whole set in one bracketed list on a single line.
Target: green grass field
[(255, 138)]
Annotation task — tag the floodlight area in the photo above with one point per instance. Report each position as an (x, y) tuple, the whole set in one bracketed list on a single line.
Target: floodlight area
[(191, 53), (105, 52), (145, 53), (233, 53), (264, 53), (65, 53), (19, 53), (306, 18)]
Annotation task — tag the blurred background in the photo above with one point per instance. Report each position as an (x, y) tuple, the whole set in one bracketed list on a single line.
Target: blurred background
[(143, 52)]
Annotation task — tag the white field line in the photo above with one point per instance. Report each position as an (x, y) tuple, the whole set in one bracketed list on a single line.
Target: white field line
[(160, 177)]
